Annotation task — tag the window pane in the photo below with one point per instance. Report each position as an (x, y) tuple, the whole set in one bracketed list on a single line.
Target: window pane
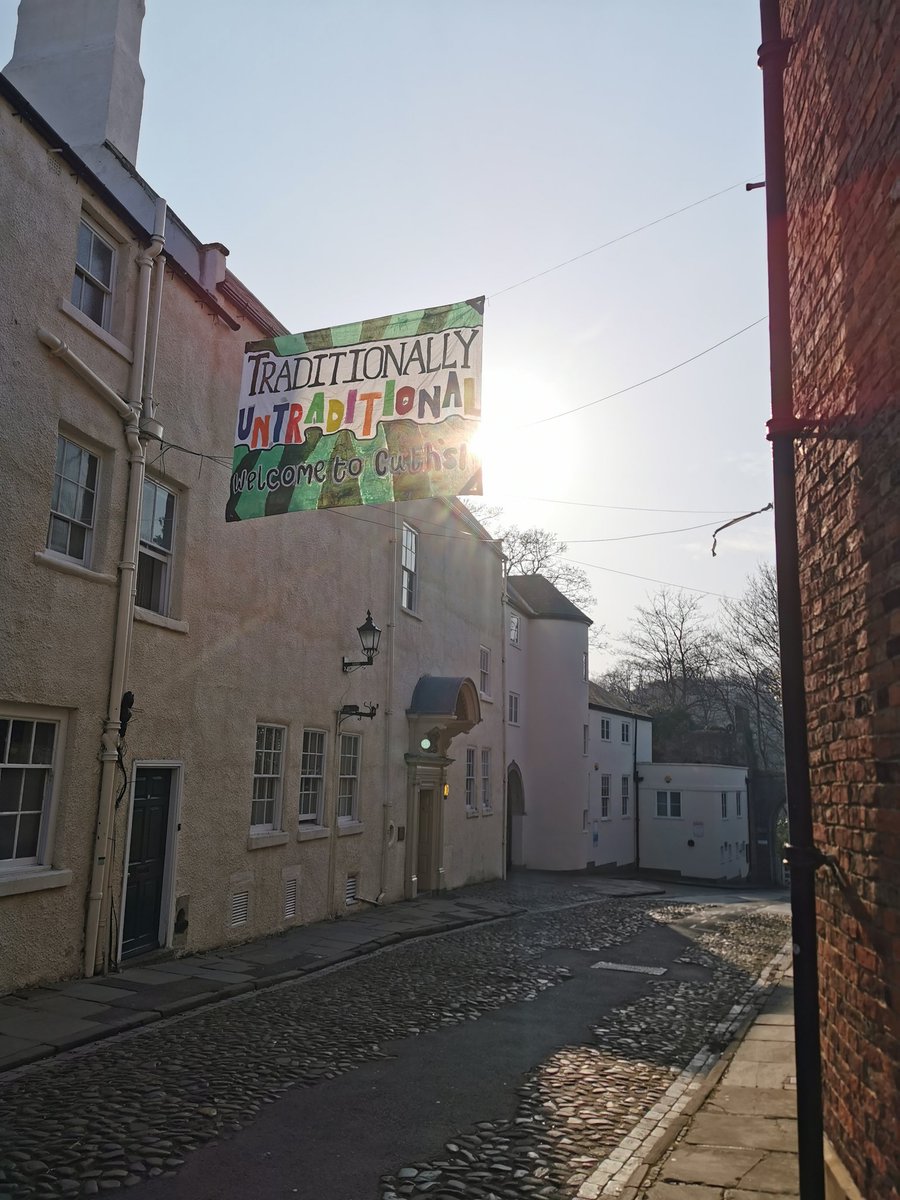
[(7, 836), (77, 541), (58, 538), (151, 578), (86, 507), (67, 498), (661, 804), (83, 252), (675, 804), (148, 498), (20, 741), (10, 789), (29, 829), (33, 791), (101, 261), (91, 301), (4, 733)]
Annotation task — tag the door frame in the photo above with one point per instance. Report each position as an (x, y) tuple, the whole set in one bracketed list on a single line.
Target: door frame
[(167, 898)]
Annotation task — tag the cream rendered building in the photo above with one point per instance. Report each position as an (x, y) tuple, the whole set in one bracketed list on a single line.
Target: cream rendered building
[(547, 735), (246, 794)]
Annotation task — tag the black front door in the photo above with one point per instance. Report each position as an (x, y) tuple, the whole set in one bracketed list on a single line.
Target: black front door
[(146, 859)]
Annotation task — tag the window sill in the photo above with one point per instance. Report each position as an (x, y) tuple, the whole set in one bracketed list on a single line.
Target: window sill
[(47, 558), (471, 812), (259, 841), (485, 698), (97, 331), (32, 879), (487, 812), (409, 613), (346, 828), (153, 618), (309, 833)]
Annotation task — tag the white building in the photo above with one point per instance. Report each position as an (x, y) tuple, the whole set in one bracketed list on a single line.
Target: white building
[(694, 821), (620, 738), (547, 737)]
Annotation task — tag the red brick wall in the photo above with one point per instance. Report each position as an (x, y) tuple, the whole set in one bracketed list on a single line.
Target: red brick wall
[(841, 91)]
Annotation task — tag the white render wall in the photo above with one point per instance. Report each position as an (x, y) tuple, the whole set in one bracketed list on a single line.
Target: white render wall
[(556, 784), (719, 845), (611, 837), (519, 747)]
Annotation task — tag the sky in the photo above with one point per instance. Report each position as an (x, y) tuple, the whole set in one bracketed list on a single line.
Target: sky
[(360, 158)]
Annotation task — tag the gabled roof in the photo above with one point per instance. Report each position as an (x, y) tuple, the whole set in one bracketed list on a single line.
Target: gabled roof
[(538, 597), (599, 697)]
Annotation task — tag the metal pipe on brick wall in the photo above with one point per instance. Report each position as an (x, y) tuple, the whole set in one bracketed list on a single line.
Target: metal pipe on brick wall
[(773, 55)]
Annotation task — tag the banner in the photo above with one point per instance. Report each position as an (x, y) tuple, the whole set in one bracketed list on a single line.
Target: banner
[(368, 413)]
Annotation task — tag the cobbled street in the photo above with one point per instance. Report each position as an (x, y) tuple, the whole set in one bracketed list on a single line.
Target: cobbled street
[(498, 1061)]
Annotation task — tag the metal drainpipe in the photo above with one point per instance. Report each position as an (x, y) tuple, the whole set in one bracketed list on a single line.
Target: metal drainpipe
[(801, 855), (386, 805), (98, 895), (505, 855), (637, 803)]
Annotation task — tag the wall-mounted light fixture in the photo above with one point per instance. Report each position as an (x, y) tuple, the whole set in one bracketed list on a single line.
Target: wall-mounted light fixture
[(369, 637)]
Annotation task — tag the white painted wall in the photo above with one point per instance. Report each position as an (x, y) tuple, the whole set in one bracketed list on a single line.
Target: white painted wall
[(518, 746), (611, 832), (719, 844), (556, 784)]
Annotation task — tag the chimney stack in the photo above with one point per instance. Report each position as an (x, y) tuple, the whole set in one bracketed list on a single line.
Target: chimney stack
[(77, 62)]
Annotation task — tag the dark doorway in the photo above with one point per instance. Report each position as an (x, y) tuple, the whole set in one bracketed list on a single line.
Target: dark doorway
[(146, 860), (425, 848), (515, 813)]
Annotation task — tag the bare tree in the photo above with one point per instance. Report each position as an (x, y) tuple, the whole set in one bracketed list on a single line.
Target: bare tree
[(752, 663), (670, 653), (693, 673), (536, 551)]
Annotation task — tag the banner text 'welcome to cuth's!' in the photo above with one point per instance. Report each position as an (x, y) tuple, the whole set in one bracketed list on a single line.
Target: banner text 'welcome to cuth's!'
[(365, 413)]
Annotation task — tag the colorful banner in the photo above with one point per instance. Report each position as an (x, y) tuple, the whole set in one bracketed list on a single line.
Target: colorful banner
[(369, 413)]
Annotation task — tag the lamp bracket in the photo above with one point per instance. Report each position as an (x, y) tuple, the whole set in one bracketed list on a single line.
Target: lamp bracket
[(354, 710), (348, 665)]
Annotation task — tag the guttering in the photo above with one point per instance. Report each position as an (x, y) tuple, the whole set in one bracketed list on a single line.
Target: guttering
[(99, 892), (801, 854)]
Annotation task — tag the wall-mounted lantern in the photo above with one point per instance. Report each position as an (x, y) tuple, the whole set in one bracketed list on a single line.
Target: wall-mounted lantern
[(369, 637)]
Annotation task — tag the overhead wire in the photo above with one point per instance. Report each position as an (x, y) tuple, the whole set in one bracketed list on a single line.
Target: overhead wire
[(612, 241), (650, 378), (631, 536), (649, 579)]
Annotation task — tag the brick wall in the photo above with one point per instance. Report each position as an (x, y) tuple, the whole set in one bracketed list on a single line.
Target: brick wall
[(843, 193)]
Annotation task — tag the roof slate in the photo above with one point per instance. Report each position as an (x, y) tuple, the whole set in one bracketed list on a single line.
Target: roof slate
[(540, 598)]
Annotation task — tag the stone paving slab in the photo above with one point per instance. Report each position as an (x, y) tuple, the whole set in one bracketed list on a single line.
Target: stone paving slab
[(64, 1006), (741, 1194), (771, 1033), (763, 1102), (776, 1173), (685, 1191), (100, 993), (149, 975), (15, 1051), (759, 1074), (765, 1052), (725, 1129), (707, 1164)]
